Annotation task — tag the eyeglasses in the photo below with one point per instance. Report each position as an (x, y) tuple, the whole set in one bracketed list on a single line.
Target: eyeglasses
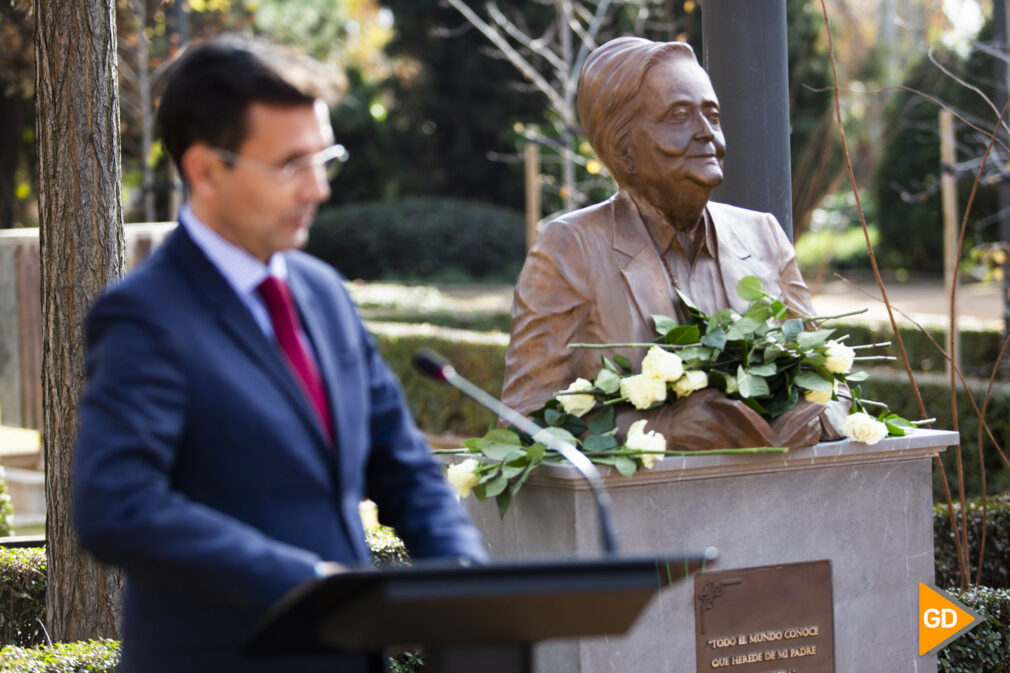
[(326, 161)]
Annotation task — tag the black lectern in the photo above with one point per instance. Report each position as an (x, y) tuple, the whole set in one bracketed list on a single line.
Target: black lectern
[(481, 618)]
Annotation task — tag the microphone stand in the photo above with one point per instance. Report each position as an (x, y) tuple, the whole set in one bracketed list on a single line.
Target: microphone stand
[(439, 369)]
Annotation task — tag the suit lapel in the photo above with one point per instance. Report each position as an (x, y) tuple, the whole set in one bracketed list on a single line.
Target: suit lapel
[(236, 321), (731, 247), (636, 257)]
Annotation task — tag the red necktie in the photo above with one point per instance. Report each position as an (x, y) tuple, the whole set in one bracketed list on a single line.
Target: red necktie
[(281, 307)]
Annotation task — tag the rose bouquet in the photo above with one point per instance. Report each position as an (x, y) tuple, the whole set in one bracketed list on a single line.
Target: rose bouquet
[(765, 358)]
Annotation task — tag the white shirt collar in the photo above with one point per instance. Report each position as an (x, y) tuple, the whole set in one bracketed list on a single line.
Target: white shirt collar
[(242, 271)]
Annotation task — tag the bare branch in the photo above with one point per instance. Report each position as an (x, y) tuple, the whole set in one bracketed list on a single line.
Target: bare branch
[(966, 85), (594, 29), (517, 59), (537, 46)]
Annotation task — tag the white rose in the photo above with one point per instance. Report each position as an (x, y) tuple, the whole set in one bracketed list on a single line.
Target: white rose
[(839, 358), (690, 382), (639, 440), (463, 476), (663, 365), (577, 405), (643, 391), (864, 428)]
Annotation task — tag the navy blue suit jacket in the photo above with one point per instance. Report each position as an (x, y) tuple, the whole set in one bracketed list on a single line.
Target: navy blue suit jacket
[(202, 471)]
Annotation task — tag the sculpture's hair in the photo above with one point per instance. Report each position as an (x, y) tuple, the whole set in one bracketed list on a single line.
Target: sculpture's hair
[(608, 97), (209, 88)]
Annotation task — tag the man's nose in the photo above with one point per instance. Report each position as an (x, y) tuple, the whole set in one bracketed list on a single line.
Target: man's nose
[(315, 187)]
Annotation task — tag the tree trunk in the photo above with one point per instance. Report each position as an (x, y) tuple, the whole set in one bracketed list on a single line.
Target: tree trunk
[(82, 249)]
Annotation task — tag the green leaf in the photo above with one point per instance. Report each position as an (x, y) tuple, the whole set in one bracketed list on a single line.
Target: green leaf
[(808, 340), (516, 466), (856, 377), (743, 328), (716, 338), (625, 465), (496, 486), (553, 416), (792, 329), (813, 381), (682, 334), (504, 499), (664, 324), (779, 310), (695, 353), (603, 422), (607, 364), (897, 426), (608, 381), (750, 288), (536, 453), (687, 301), (771, 353), (780, 404), (749, 385), (599, 443), (764, 370), (759, 311), (623, 362), (490, 474), (560, 433)]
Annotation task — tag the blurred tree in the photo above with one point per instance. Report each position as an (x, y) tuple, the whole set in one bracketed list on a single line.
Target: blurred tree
[(907, 181), (17, 152)]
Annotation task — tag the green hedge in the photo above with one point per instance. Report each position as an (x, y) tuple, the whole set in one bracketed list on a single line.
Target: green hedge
[(979, 347), (996, 566), (421, 238), (893, 388), (94, 656), (438, 408), (986, 648), (23, 596)]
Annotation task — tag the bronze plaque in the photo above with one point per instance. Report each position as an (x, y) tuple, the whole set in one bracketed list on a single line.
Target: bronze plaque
[(774, 619)]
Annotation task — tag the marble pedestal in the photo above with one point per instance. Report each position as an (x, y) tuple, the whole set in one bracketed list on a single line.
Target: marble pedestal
[(868, 509)]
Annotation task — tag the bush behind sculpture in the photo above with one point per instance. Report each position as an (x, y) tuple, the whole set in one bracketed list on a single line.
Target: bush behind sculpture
[(421, 238)]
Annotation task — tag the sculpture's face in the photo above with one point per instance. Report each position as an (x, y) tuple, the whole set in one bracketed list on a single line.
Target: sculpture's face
[(676, 139)]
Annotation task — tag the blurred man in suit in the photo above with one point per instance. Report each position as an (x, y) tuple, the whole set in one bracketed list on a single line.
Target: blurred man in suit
[(236, 411)]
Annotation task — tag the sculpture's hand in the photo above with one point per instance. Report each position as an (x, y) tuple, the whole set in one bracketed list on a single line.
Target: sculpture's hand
[(706, 419), (800, 426)]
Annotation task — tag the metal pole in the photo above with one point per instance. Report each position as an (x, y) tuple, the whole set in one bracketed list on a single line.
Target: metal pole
[(744, 48)]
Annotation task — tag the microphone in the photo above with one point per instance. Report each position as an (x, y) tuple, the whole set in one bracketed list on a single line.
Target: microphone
[(438, 368)]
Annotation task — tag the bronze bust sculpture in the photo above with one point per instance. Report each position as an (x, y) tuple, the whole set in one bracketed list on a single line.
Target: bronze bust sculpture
[(597, 275)]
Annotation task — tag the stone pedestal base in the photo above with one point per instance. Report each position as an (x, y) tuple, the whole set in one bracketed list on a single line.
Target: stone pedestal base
[(867, 509)]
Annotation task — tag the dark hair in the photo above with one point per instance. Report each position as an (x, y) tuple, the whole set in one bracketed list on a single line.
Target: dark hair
[(608, 94), (209, 88)]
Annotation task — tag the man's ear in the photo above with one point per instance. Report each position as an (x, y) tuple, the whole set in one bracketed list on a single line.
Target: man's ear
[(202, 167)]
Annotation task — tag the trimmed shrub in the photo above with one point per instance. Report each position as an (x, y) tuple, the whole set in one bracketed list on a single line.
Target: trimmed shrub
[(892, 387), (23, 596), (979, 347), (986, 648), (996, 565), (387, 548), (93, 656), (421, 238), (438, 408)]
